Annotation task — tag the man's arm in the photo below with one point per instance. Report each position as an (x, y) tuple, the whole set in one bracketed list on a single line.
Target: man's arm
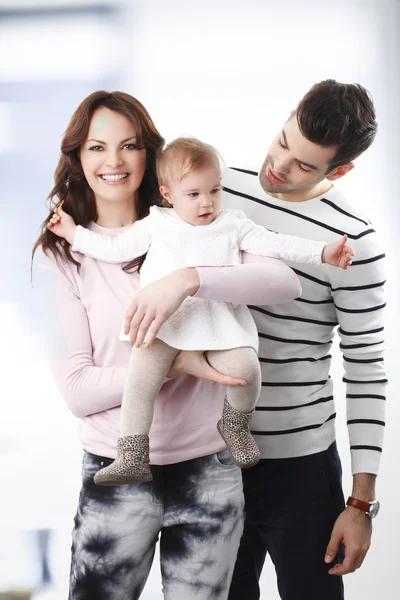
[(360, 300)]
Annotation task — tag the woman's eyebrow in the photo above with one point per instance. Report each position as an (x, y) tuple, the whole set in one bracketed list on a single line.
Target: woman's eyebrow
[(133, 137)]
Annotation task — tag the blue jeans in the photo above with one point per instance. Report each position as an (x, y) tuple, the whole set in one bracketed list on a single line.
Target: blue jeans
[(195, 508), (291, 507)]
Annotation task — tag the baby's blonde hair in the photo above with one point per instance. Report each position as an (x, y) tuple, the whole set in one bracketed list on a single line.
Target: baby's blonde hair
[(182, 156)]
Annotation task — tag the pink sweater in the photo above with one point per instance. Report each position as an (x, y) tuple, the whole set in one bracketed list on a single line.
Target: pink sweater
[(90, 363)]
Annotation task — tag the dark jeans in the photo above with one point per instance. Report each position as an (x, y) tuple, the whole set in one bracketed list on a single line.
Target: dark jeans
[(291, 507)]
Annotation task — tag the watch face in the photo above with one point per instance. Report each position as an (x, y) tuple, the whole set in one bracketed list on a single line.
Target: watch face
[(373, 511)]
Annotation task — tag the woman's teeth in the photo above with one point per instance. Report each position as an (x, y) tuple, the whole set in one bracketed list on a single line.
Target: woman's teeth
[(114, 177)]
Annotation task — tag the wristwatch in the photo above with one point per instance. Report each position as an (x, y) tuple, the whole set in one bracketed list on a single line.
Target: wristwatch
[(371, 509)]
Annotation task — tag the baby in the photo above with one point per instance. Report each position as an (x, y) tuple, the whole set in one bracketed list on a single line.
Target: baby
[(191, 230)]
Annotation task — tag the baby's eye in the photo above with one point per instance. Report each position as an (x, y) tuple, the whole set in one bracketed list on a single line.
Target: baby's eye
[(216, 190), (193, 194)]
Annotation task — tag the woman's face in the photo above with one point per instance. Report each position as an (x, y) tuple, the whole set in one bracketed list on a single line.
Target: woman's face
[(112, 163)]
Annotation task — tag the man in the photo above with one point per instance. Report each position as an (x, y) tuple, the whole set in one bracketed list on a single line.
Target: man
[(295, 509)]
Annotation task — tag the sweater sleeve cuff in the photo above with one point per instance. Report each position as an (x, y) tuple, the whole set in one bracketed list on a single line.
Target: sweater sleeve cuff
[(365, 461), (319, 248), (75, 246)]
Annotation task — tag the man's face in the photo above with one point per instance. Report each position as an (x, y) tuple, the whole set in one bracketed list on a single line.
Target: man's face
[(293, 163)]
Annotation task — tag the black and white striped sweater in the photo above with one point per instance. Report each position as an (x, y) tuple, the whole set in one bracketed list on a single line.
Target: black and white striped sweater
[(295, 415)]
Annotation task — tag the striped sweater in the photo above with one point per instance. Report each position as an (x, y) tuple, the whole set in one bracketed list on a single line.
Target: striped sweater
[(295, 415)]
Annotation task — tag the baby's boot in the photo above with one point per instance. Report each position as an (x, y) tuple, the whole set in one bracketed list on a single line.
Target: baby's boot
[(132, 464), (234, 427)]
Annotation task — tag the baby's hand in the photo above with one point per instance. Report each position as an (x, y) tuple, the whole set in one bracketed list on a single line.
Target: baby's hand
[(338, 254), (62, 224)]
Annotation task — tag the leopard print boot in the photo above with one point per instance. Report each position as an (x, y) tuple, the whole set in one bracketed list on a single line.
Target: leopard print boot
[(234, 427), (131, 464)]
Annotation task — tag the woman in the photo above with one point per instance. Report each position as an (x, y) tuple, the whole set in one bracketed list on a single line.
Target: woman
[(106, 178)]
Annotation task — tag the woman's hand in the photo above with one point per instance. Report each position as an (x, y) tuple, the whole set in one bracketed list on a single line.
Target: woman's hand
[(62, 224), (155, 303), (195, 363), (338, 254)]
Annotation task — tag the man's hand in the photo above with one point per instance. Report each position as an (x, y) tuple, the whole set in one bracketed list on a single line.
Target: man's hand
[(338, 254), (353, 529), (195, 363), (156, 302), (62, 224)]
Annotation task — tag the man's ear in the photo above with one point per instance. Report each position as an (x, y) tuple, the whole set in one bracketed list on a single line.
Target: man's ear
[(340, 171), (166, 194)]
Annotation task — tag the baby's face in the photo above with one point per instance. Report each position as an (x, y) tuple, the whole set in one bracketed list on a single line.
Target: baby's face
[(197, 197)]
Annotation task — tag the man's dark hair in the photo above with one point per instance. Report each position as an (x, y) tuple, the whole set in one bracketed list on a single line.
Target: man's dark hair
[(338, 114)]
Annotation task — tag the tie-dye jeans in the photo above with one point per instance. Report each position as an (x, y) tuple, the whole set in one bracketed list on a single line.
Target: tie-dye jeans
[(195, 509)]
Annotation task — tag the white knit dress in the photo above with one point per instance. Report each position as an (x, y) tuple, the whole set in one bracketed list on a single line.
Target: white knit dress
[(171, 244)]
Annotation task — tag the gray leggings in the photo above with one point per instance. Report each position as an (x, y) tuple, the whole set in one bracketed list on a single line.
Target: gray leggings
[(149, 366)]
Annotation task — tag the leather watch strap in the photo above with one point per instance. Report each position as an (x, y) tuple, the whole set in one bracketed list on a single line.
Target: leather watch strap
[(360, 504)]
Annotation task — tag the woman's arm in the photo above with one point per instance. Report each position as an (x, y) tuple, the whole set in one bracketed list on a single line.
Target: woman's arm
[(86, 388), (258, 281)]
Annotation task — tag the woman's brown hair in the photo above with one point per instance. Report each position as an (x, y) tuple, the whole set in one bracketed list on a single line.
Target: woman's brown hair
[(70, 184)]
